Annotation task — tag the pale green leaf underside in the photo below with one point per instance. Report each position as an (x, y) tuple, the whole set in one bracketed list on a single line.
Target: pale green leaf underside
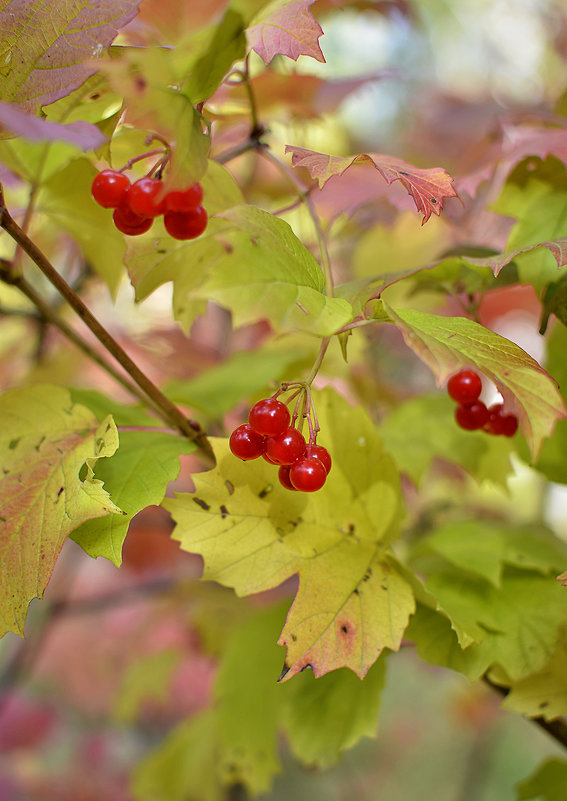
[(45, 443)]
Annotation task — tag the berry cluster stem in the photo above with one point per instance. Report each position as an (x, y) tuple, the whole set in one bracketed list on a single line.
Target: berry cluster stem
[(168, 411)]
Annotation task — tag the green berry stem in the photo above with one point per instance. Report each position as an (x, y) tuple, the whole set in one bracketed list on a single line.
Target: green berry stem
[(167, 410)]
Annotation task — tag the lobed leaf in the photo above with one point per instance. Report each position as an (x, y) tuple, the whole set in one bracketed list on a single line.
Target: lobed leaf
[(447, 344), (353, 599), (45, 44), (137, 476), (547, 783), (427, 187), (45, 442), (287, 28)]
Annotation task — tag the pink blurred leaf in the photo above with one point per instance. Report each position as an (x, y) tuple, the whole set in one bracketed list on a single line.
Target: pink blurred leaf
[(427, 187), (557, 248), (288, 29), (35, 129), (43, 45)]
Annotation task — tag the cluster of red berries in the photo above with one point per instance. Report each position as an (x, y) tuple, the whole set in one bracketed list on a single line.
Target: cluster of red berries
[(137, 205), (471, 413), (302, 465)]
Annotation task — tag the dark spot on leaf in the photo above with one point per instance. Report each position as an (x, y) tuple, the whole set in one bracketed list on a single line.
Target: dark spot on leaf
[(301, 308), (61, 490), (94, 96), (344, 629), (224, 511), (433, 200), (543, 704), (356, 591), (283, 674), (266, 491), (308, 666), (367, 575), (229, 486), (161, 250), (140, 83), (14, 443), (383, 587), (108, 427), (203, 504), (40, 443), (403, 172), (293, 638)]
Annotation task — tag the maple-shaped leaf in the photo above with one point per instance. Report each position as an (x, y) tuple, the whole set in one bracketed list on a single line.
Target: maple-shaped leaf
[(43, 46), (46, 443), (287, 28), (427, 187), (447, 344), (353, 598)]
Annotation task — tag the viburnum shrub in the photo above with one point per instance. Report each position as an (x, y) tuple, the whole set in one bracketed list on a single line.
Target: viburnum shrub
[(293, 385)]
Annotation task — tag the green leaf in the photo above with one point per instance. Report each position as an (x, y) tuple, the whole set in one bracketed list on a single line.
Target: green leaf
[(46, 442), (267, 272), (217, 390), (213, 52), (248, 702), (101, 406), (536, 195), (249, 262), (325, 716), (517, 623), (183, 766), (422, 429), (543, 693), (353, 599), (548, 782), (484, 548), (145, 679), (137, 476), (437, 644), (66, 199), (446, 344)]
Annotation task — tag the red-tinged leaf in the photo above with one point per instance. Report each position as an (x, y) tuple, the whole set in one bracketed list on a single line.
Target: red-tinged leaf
[(288, 29), (563, 578), (427, 187), (45, 444), (43, 44), (35, 129), (557, 248), (446, 344)]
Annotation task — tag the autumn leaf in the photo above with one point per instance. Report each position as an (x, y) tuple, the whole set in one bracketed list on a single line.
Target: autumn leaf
[(34, 129), (46, 443), (427, 187), (43, 46), (447, 344), (285, 28), (353, 599)]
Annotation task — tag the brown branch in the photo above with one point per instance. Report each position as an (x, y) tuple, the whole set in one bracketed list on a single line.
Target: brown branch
[(168, 411)]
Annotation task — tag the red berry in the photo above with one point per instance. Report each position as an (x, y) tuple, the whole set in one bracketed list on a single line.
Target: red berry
[(472, 416), (185, 224), (184, 199), (269, 417), (465, 387), (307, 475), (287, 447), (142, 197), (246, 443), (109, 188), (283, 475), (321, 453), (129, 223), (499, 423)]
